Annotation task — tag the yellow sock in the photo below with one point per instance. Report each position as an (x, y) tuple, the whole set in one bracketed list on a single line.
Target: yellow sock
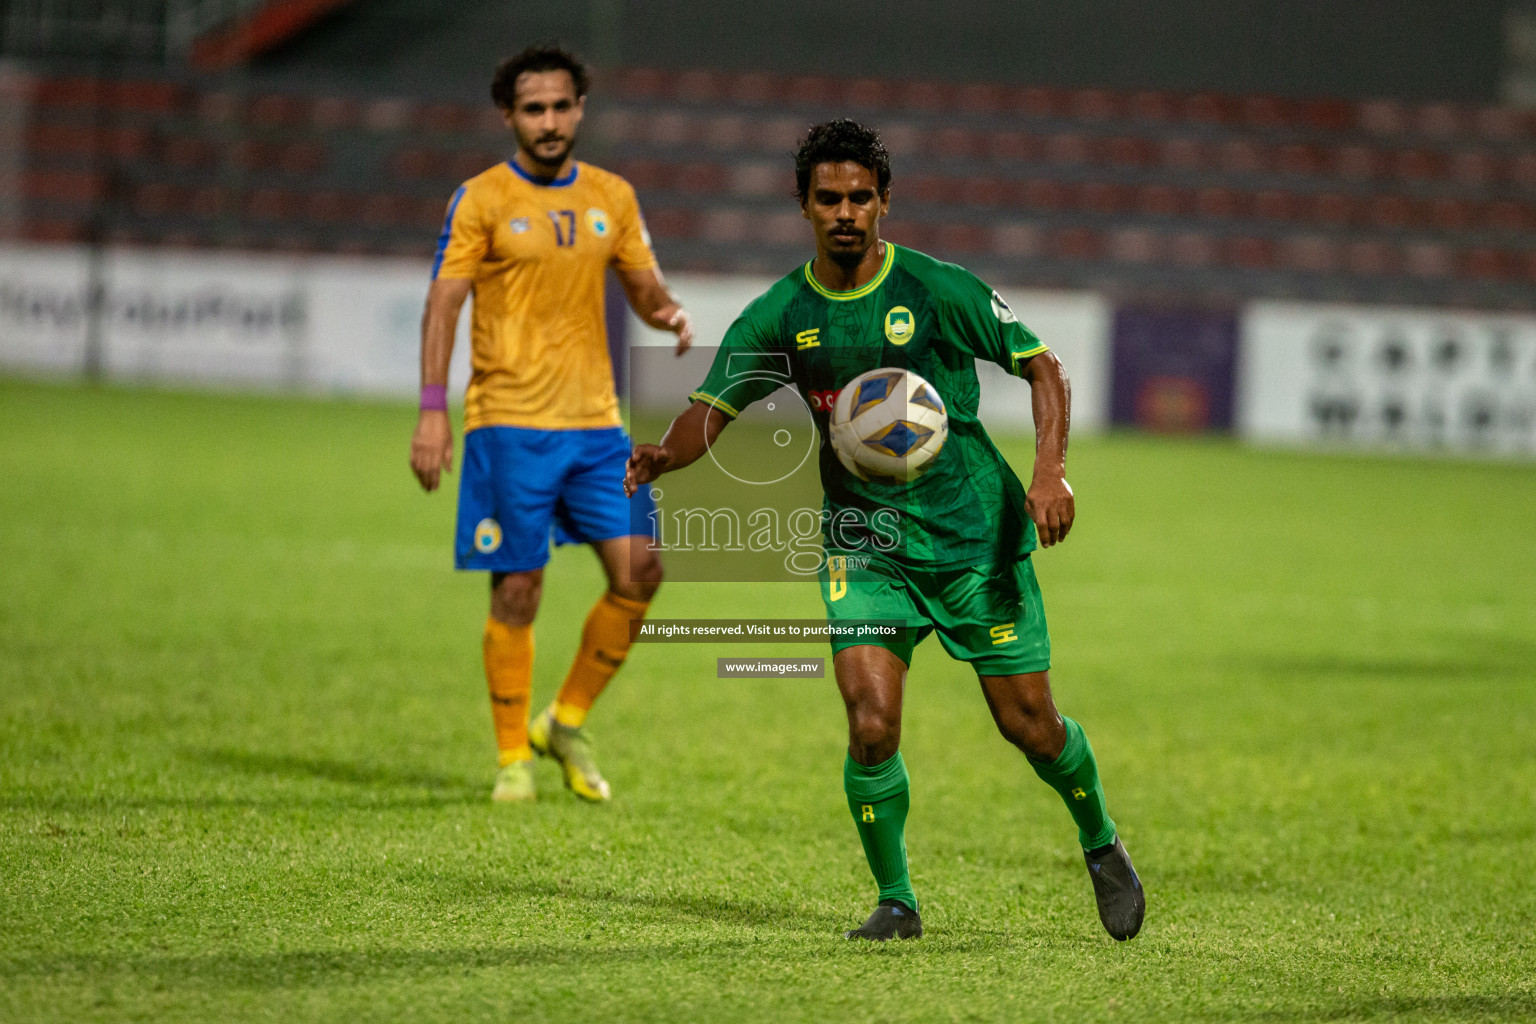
[(509, 675), (604, 643)]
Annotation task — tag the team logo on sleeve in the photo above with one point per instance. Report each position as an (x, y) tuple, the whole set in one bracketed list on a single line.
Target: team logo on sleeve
[(519, 225), (487, 536), (1001, 310), (597, 220), (899, 325)]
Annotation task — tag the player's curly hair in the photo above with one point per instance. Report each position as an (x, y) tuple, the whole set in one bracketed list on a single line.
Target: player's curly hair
[(543, 57), (836, 141)]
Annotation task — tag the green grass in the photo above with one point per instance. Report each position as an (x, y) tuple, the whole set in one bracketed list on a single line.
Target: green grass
[(245, 753)]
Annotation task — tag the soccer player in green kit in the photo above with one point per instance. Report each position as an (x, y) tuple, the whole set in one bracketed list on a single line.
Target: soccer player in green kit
[(961, 566)]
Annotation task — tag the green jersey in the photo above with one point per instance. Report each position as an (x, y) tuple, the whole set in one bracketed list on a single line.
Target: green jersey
[(933, 318)]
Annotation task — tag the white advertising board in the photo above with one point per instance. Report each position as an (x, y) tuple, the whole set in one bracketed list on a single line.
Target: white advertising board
[(312, 324), (1075, 324), (1387, 377)]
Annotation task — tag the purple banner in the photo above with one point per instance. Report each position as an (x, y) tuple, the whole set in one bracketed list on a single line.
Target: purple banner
[(1174, 370)]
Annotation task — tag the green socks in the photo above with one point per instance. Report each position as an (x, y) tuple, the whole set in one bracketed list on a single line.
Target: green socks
[(878, 798), (1075, 775)]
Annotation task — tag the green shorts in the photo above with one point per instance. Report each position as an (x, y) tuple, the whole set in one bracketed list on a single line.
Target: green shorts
[(993, 620)]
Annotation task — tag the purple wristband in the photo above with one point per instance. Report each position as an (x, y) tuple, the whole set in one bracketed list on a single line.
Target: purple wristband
[(434, 398)]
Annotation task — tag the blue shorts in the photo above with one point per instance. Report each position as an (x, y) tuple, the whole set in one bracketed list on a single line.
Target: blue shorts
[(520, 488)]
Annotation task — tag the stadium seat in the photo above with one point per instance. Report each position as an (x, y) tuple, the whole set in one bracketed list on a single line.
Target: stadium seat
[(872, 94), (1183, 154), (754, 89), (1151, 106), (1381, 117), (960, 239), (270, 204), (1418, 164), (1207, 108), (697, 86), (1509, 215), (1218, 202), (1264, 112), (1358, 162), (1128, 152), (1391, 212), (1192, 249), (1070, 148), (1163, 201), (1475, 168), (1250, 253), (1439, 120), (759, 178), (728, 133), (1299, 158), (928, 188), (727, 226), (1075, 243), (1450, 215), (980, 100), (1428, 259), (815, 91), (1370, 257), (1135, 245), (671, 222), (1015, 147), (1312, 254), (982, 191), (64, 186), (1331, 208), (278, 109), (1019, 240), (1104, 197), (1242, 156), (926, 97), (1275, 204), (1095, 105)]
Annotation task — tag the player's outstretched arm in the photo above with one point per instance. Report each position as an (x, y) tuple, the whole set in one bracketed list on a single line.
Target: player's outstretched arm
[(432, 443), (685, 442), (652, 302), (1049, 499)]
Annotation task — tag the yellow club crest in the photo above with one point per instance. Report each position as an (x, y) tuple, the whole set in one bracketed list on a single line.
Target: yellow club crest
[(487, 536), (899, 325)]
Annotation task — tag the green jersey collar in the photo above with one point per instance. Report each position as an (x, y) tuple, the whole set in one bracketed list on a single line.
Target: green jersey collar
[(857, 293)]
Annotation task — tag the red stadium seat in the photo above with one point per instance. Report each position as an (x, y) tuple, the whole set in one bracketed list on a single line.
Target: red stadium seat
[(1276, 204), (1151, 106), (1242, 156), (1451, 215), (1428, 259), (815, 91), (1075, 243), (1069, 148), (1218, 202), (331, 207), (1311, 254), (1439, 120), (1044, 195), (644, 175), (156, 199), (1381, 117), (1251, 253), (444, 118), (1127, 151), (699, 177), (1207, 108), (1370, 258), (1135, 245), (961, 238), (1095, 105), (1522, 170), (760, 179), (1192, 249), (927, 96), (1486, 263), (730, 225), (928, 188), (1327, 115), (728, 132), (698, 86), (671, 222), (1163, 201), (754, 88), (1299, 158), (388, 115), (871, 94), (1475, 168), (64, 186), (953, 142), (412, 162), (980, 100), (329, 113), (1497, 123), (983, 191), (270, 204), (1332, 208), (1015, 147), (641, 83), (278, 109), (1509, 215), (1184, 154), (1265, 112), (210, 200), (1391, 212), (1020, 240), (1418, 164), (674, 128), (1357, 162), (1037, 101), (1104, 197)]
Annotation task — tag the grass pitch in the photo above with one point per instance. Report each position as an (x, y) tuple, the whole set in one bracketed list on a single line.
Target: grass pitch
[(245, 753)]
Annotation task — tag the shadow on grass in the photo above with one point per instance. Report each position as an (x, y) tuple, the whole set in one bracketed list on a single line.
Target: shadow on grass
[(1519, 1006), (314, 968), (331, 770), (1418, 670), (743, 913)]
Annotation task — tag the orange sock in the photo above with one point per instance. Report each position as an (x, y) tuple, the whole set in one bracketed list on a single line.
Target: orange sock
[(509, 674), (604, 643)]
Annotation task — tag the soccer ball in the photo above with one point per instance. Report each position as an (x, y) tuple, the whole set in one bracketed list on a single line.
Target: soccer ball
[(888, 424)]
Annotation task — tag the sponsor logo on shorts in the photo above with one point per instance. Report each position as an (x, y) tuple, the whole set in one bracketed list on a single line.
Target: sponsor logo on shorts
[(487, 536), (1003, 634)]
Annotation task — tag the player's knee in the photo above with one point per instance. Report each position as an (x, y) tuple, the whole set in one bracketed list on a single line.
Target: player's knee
[(1035, 731), (643, 580), (515, 596), (873, 734)]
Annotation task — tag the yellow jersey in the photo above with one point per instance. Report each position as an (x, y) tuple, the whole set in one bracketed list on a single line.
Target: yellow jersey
[(538, 251)]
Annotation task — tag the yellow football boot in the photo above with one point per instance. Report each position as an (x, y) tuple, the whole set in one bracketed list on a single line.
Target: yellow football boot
[(573, 751), (514, 783)]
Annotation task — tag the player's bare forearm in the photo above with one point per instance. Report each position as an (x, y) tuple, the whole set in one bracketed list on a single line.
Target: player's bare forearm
[(432, 441), (684, 443), (653, 303), (1049, 500)]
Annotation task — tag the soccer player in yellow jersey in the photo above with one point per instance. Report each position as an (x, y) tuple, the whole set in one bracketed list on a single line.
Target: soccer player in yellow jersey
[(544, 450)]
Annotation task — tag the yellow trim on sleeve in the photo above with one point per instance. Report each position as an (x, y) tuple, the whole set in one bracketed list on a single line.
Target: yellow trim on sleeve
[(1028, 354), (857, 293), (711, 400)]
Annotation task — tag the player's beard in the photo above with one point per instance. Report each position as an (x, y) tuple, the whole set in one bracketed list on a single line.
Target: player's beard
[(553, 166), (849, 259)]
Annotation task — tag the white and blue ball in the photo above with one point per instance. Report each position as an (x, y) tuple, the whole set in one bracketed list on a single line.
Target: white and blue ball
[(888, 424)]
